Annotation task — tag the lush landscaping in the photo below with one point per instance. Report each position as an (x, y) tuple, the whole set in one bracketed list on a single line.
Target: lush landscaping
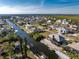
[(73, 18), (36, 36), (8, 48), (8, 37), (73, 55)]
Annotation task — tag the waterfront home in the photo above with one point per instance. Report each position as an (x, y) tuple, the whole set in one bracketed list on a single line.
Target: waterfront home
[(62, 30), (17, 56), (53, 27), (32, 28), (1, 23), (28, 26), (58, 21), (73, 27), (42, 56), (4, 30), (57, 38), (49, 21), (21, 23), (62, 21), (17, 43)]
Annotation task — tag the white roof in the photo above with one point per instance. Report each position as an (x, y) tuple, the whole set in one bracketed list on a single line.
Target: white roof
[(56, 36)]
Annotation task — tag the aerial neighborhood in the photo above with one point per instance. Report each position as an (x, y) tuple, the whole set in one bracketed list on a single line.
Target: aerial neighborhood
[(31, 36)]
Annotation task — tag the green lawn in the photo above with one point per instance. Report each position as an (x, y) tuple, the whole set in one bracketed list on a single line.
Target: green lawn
[(73, 18)]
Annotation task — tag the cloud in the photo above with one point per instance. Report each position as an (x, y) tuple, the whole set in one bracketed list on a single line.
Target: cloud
[(18, 9), (8, 10), (38, 10)]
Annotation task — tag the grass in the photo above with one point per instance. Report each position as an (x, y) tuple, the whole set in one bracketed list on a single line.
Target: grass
[(73, 18), (53, 31), (45, 34), (72, 55)]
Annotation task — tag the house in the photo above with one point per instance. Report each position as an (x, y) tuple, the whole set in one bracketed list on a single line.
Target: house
[(62, 21), (28, 26), (32, 28), (42, 57), (49, 21), (53, 27), (5, 29), (1, 23), (58, 21), (19, 56), (73, 27), (57, 38), (17, 43), (62, 30)]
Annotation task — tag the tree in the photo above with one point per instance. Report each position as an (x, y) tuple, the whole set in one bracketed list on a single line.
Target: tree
[(36, 36), (5, 17)]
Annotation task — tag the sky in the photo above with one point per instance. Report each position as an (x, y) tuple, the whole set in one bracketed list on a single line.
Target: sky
[(39, 6)]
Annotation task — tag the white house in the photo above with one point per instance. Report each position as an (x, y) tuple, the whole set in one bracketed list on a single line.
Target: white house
[(49, 21), (42, 57), (57, 38), (62, 30), (58, 21), (72, 27), (62, 21), (53, 27), (28, 26)]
